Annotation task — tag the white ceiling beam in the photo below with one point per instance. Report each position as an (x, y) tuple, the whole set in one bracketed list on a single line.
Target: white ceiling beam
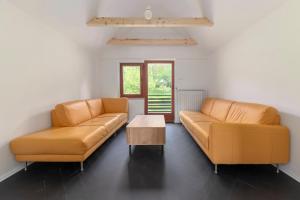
[(153, 42), (155, 22)]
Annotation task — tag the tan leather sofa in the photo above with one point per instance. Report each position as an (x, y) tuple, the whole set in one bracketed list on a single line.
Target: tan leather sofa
[(238, 133), (78, 129)]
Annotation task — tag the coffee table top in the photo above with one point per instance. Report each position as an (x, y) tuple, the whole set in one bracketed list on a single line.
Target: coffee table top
[(144, 121)]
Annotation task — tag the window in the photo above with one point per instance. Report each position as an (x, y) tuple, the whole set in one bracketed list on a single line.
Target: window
[(131, 81)]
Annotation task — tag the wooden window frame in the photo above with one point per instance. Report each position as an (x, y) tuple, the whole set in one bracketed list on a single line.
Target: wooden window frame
[(141, 65)]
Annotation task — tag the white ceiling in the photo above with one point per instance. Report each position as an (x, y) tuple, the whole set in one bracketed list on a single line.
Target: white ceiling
[(230, 17)]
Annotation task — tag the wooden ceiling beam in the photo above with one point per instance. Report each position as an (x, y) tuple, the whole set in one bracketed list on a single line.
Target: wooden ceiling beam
[(151, 42), (155, 22)]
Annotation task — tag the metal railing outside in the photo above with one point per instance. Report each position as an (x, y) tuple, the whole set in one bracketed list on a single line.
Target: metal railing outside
[(159, 103)]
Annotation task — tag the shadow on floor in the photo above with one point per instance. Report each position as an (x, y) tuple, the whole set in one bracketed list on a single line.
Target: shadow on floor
[(143, 161)]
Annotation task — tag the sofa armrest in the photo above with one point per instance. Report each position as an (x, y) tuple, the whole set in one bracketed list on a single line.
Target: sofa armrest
[(115, 105), (249, 144)]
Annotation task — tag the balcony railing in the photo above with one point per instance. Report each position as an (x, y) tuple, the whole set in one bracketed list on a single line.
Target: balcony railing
[(159, 103)]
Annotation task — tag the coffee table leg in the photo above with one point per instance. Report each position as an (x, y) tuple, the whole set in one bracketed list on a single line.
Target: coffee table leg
[(129, 149), (162, 149)]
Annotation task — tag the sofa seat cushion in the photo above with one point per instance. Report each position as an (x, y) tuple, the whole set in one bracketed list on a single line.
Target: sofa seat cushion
[(190, 117), (201, 132), (110, 123), (59, 141), (122, 117)]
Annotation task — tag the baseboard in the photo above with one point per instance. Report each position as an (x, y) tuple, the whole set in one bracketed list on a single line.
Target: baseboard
[(291, 174), (11, 172)]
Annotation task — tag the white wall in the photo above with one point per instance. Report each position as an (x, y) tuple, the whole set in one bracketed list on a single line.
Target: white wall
[(191, 69), (39, 68), (263, 65)]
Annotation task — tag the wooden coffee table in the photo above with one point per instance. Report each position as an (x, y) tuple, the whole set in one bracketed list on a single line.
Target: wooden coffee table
[(146, 130)]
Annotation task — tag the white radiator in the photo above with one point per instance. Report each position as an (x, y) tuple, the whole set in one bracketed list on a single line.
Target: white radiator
[(188, 100)]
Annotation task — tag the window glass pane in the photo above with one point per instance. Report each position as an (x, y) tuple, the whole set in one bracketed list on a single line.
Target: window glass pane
[(131, 80), (159, 88)]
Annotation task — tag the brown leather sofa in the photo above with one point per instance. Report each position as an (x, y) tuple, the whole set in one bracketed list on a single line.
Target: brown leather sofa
[(238, 133), (78, 129)]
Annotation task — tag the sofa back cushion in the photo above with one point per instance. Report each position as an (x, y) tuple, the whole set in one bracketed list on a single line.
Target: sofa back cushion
[(95, 107), (54, 119), (115, 105), (72, 113), (220, 109), (250, 113), (207, 106)]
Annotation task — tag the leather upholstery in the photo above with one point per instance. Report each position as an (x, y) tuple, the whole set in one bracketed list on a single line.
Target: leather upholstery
[(195, 117), (115, 105), (207, 106), (75, 134), (67, 140), (201, 130), (249, 144), (72, 113), (95, 107), (120, 116), (251, 113), (250, 133), (65, 157), (54, 119), (220, 109), (108, 122)]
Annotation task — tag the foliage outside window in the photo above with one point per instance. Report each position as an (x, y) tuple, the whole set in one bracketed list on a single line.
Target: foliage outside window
[(159, 87), (159, 79), (131, 80)]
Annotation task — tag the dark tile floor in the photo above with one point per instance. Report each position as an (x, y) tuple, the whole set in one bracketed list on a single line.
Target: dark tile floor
[(182, 172)]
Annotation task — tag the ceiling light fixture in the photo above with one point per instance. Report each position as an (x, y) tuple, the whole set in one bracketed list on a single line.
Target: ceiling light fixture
[(148, 13)]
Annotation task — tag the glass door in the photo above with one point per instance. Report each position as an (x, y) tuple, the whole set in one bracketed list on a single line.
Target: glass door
[(159, 99)]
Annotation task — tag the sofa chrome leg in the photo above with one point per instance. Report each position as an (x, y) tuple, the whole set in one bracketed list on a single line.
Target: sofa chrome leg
[(277, 168), (216, 169), (25, 166), (81, 166)]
